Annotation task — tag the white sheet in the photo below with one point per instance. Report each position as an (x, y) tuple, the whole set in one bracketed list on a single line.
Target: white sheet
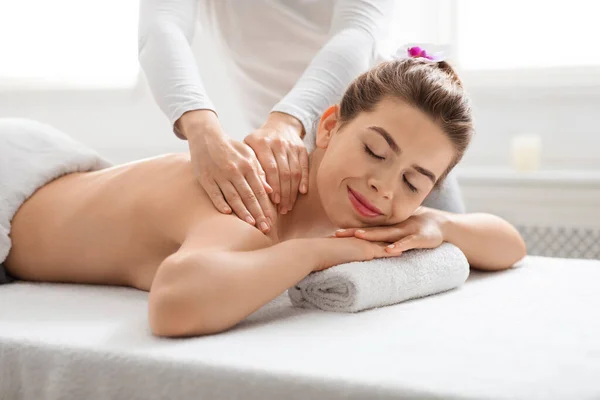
[(531, 332)]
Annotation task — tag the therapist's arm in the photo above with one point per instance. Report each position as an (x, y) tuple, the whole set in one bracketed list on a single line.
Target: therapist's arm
[(228, 170), (355, 28), (165, 33)]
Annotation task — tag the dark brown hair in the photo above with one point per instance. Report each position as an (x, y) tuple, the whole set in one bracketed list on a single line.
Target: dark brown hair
[(432, 87)]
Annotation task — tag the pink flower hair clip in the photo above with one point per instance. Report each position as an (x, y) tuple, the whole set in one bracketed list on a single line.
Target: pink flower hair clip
[(425, 52)]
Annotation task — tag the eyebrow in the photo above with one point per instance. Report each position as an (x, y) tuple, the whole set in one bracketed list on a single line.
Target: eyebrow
[(425, 172), (388, 138), (390, 141)]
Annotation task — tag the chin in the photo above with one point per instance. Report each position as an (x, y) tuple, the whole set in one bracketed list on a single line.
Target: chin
[(346, 220), (340, 211), (342, 215), (339, 218)]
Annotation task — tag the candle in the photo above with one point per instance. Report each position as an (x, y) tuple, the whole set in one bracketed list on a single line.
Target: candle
[(526, 151)]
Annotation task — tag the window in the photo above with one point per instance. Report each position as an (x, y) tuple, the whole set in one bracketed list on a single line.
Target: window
[(69, 43), (507, 42), (511, 34), (424, 21)]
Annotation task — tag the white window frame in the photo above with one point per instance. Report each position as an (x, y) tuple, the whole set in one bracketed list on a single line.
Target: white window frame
[(30, 85), (25, 85), (524, 81)]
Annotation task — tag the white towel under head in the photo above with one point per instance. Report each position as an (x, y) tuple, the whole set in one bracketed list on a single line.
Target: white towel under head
[(358, 286)]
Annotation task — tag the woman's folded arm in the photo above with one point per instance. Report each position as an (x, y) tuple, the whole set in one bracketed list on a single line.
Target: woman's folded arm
[(208, 291), (488, 241), (199, 292)]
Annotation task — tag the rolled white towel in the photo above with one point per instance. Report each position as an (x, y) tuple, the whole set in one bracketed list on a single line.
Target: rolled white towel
[(358, 286)]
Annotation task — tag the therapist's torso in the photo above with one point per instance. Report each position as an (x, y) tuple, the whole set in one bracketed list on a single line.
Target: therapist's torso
[(266, 44)]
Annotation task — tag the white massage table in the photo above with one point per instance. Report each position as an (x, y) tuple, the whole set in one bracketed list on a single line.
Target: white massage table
[(532, 332)]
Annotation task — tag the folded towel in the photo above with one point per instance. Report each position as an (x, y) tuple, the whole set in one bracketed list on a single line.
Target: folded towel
[(358, 286), (31, 155)]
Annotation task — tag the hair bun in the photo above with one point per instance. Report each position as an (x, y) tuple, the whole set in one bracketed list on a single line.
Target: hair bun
[(447, 68), (428, 53)]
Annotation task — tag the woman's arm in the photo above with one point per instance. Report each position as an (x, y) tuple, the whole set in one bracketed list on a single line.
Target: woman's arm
[(198, 292), (489, 242), (165, 32), (357, 25)]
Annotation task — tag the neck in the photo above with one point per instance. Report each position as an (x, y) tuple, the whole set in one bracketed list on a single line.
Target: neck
[(307, 218)]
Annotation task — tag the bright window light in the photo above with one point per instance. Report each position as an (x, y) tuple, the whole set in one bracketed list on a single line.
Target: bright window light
[(69, 43), (410, 23), (523, 34)]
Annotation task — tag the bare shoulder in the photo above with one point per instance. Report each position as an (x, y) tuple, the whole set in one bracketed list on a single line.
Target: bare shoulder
[(181, 209), (205, 227), (226, 232)]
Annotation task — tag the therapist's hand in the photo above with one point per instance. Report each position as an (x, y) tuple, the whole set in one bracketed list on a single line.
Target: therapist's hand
[(228, 170), (283, 156)]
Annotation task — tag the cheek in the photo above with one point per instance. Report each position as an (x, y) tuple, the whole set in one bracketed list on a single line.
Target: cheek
[(332, 170), (325, 182), (333, 196), (401, 214), (325, 177), (405, 206)]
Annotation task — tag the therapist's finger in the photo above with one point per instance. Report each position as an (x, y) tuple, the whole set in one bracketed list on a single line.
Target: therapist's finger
[(262, 213), (267, 166), (296, 177), (235, 201), (216, 196), (263, 177), (303, 157), (268, 163), (285, 180), (250, 199)]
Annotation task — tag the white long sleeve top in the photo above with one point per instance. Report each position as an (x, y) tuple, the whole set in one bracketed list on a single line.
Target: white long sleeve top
[(292, 56)]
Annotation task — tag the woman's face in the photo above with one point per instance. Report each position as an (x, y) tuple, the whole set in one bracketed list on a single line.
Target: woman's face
[(378, 168)]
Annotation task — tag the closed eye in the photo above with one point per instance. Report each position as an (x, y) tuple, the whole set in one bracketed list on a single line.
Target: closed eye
[(410, 186), (370, 152)]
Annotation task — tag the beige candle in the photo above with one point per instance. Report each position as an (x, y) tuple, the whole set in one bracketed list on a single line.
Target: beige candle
[(526, 152)]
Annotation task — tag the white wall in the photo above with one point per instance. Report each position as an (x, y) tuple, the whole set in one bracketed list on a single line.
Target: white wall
[(567, 119), (124, 125)]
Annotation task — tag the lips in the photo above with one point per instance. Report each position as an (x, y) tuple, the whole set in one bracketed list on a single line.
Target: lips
[(362, 205)]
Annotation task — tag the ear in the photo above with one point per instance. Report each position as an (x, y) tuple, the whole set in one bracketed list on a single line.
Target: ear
[(326, 129)]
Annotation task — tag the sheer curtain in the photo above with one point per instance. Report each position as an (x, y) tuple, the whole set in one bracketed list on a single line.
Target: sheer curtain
[(502, 35), (68, 43), (74, 43), (525, 34)]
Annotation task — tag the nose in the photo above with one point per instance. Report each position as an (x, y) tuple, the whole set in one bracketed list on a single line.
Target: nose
[(381, 188)]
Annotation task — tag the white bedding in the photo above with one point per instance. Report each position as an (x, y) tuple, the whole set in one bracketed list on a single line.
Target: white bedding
[(532, 332)]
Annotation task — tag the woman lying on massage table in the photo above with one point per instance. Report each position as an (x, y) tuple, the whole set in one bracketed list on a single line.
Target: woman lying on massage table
[(398, 131)]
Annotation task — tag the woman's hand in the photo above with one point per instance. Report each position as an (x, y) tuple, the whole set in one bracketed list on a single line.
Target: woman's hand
[(340, 250), (283, 156), (229, 171), (423, 230)]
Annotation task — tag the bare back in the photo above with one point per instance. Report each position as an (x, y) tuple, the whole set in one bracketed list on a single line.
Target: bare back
[(116, 226)]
